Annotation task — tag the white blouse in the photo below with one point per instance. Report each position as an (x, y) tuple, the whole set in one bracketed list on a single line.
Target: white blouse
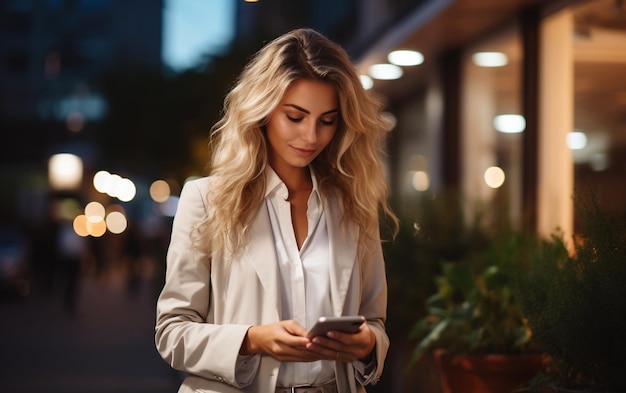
[(305, 275)]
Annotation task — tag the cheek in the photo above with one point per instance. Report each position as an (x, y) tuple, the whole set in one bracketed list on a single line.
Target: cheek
[(279, 129), (328, 136), (272, 130)]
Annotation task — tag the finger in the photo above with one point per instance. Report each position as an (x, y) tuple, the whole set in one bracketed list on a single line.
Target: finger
[(298, 356), (326, 342), (294, 328), (332, 354), (326, 349)]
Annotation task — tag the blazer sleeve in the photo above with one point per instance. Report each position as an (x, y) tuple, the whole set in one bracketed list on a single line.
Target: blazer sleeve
[(374, 307), (183, 336)]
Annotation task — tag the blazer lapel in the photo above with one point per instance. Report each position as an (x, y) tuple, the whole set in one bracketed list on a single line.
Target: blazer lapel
[(261, 254), (343, 247)]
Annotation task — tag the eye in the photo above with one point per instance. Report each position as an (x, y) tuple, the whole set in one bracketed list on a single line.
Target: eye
[(294, 119), (328, 122)]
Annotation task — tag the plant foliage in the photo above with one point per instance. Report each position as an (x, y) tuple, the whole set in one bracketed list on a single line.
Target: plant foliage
[(575, 301), (474, 309)]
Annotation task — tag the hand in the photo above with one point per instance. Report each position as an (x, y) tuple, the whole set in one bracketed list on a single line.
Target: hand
[(344, 347), (285, 341)]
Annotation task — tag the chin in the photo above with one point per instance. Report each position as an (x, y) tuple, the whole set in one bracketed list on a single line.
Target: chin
[(301, 163)]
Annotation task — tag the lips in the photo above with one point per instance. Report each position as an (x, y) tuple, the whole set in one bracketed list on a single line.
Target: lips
[(304, 152)]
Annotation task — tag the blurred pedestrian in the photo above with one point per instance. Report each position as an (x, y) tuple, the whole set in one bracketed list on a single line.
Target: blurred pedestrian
[(132, 254), (71, 249), (284, 230)]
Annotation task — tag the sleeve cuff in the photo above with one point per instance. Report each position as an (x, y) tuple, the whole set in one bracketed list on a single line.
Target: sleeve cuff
[(245, 369), (365, 372)]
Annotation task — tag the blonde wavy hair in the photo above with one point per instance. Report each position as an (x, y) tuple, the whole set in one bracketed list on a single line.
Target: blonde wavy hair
[(350, 165)]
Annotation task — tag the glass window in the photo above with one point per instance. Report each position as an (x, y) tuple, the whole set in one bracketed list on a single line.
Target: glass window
[(492, 125), (599, 140)]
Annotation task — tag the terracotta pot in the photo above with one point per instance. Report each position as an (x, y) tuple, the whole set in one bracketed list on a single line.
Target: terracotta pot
[(493, 373)]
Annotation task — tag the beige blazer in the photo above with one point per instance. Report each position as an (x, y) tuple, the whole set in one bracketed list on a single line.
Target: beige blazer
[(208, 303)]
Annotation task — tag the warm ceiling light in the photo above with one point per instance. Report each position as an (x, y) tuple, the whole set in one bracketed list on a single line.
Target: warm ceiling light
[(509, 124), (405, 57), (385, 71), (490, 59), (366, 82)]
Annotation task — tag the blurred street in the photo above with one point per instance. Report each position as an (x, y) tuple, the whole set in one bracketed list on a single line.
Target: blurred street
[(105, 344)]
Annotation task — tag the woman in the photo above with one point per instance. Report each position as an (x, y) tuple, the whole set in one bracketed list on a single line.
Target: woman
[(283, 230)]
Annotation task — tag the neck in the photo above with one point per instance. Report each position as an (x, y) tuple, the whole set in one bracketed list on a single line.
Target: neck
[(296, 179)]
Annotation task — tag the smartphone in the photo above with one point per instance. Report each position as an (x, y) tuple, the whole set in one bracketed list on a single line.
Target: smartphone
[(348, 324)]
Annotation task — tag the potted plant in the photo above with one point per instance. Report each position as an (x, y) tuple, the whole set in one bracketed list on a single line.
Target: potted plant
[(474, 326), (430, 231), (575, 300)]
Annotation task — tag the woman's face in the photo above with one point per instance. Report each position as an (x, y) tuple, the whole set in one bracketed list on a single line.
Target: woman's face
[(302, 125)]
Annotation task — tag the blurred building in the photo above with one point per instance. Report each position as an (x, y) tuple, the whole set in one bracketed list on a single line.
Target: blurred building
[(560, 77), (50, 54)]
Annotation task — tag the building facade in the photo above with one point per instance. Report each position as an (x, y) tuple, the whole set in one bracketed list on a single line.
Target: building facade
[(562, 78)]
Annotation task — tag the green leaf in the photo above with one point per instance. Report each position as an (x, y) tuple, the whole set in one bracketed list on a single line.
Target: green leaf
[(431, 339), (460, 277)]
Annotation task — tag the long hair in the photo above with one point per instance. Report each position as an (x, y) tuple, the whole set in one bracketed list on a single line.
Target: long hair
[(349, 166)]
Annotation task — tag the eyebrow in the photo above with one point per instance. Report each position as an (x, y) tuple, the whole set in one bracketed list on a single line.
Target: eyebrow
[(301, 109)]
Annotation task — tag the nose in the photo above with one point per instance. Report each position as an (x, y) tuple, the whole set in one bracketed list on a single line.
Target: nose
[(309, 132)]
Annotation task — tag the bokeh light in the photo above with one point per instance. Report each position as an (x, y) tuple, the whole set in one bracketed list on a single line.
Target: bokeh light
[(160, 191), (494, 177), (96, 229), (576, 140), (490, 59), (509, 123), (420, 180), (116, 222), (115, 186), (80, 225), (366, 81), (102, 181), (114, 181), (95, 212), (65, 171), (385, 71), (126, 190), (404, 57)]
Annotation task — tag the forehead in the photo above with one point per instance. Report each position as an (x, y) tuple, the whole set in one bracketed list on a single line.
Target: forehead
[(312, 95)]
